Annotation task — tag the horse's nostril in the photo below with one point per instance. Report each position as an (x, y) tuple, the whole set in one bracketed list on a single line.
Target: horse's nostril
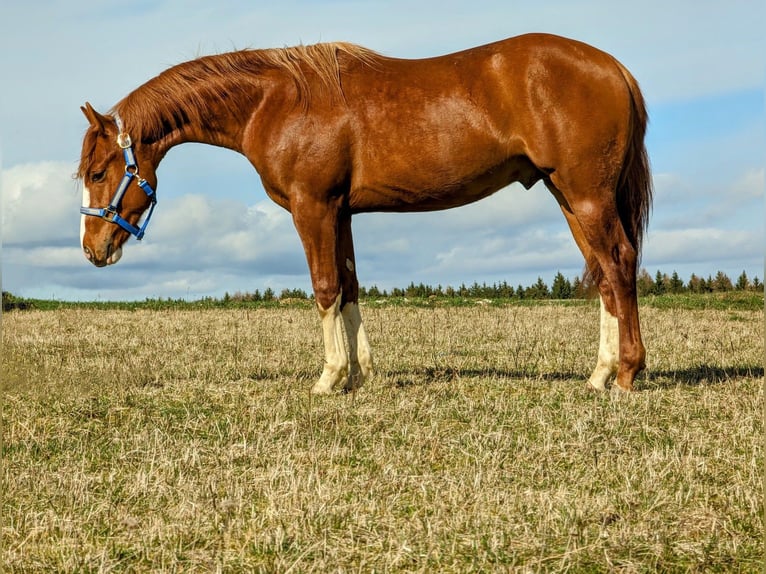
[(88, 253)]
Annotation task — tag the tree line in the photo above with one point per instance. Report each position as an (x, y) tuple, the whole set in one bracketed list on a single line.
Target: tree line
[(560, 288), (661, 284)]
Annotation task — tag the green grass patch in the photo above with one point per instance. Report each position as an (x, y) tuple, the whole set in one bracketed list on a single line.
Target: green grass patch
[(732, 300)]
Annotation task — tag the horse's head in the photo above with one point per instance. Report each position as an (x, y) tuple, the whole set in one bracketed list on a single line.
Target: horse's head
[(115, 194)]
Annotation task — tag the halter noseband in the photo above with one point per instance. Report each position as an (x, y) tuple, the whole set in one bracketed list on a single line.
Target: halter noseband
[(109, 213)]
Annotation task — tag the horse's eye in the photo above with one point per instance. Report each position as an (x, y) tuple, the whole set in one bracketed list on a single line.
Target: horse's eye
[(97, 176)]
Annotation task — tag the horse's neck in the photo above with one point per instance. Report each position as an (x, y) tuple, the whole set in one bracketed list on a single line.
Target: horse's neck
[(221, 126), (220, 122)]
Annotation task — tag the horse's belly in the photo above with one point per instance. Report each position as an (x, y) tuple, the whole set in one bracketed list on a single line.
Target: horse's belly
[(419, 192)]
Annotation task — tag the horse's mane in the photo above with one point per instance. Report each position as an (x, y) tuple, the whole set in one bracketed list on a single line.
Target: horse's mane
[(179, 95)]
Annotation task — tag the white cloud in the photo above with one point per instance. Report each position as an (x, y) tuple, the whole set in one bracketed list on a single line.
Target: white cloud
[(40, 204), (706, 244), (685, 203), (195, 230), (750, 185), (47, 257), (504, 255), (202, 238), (514, 235)]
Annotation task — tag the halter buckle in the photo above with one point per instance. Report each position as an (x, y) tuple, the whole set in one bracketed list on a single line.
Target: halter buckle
[(124, 141)]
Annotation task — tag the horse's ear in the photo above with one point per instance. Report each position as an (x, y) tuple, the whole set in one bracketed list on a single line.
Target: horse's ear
[(96, 120)]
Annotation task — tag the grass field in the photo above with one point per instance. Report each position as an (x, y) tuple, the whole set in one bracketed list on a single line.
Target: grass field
[(187, 441)]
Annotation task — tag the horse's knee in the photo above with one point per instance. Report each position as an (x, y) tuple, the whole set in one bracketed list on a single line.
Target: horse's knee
[(326, 295)]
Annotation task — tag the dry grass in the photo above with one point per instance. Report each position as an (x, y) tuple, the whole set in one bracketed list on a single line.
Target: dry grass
[(187, 441)]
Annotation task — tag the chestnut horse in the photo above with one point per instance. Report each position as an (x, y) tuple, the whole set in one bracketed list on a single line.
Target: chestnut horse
[(335, 129)]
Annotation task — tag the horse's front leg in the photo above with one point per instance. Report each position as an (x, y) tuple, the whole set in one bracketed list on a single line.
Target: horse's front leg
[(360, 356), (326, 237), (336, 347)]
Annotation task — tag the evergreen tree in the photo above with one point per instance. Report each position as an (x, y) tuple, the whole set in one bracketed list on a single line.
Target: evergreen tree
[(675, 285), (742, 282), (506, 291), (695, 284), (293, 294), (756, 285), (721, 283), (561, 287), (577, 288), (660, 285), (268, 294), (538, 291)]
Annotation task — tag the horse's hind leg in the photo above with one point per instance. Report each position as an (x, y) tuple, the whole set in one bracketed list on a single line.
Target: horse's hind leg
[(608, 346), (609, 341), (597, 229), (618, 260)]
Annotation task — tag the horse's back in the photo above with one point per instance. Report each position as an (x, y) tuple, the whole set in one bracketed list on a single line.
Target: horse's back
[(445, 131)]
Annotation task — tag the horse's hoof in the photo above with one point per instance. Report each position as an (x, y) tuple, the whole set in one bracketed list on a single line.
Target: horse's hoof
[(589, 386), (320, 389), (619, 390), (623, 388)]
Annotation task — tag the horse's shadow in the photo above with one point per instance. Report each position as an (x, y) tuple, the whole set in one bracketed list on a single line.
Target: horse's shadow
[(700, 375), (697, 376)]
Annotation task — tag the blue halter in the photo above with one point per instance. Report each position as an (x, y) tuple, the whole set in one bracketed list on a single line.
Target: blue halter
[(109, 213)]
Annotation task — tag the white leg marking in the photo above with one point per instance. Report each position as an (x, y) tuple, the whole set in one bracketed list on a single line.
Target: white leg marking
[(359, 347), (335, 348), (608, 350)]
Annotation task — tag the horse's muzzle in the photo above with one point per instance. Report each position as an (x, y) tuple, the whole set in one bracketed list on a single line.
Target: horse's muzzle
[(110, 257)]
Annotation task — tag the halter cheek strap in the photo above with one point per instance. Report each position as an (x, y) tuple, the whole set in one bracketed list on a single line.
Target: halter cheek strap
[(109, 213)]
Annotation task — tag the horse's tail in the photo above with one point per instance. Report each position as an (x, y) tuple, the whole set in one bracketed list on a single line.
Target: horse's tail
[(634, 187)]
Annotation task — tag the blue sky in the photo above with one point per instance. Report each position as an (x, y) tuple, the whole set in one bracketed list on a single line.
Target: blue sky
[(700, 65)]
